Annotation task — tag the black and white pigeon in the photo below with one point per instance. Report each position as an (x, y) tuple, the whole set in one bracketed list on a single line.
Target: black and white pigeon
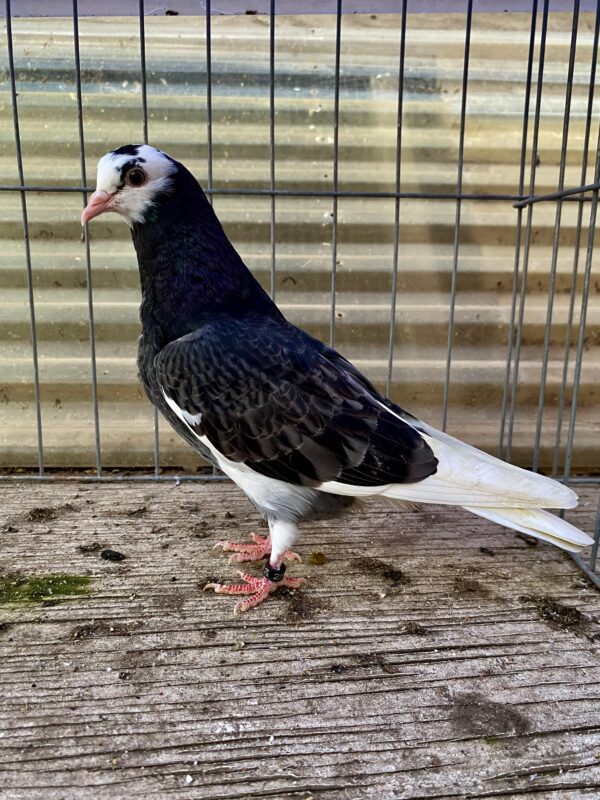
[(289, 419)]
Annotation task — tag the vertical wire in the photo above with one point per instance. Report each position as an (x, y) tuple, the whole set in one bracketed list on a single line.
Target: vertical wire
[(88, 259), (515, 280), (143, 71), (26, 241), (573, 294), (528, 225), (399, 117), (144, 77), (556, 239), (585, 294), (272, 136), (459, 182), (209, 115), (335, 182)]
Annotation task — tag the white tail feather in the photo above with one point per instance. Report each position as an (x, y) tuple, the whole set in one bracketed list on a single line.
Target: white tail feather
[(467, 476), (538, 523)]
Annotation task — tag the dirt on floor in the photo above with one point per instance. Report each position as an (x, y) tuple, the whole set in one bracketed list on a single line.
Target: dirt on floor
[(429, 655)]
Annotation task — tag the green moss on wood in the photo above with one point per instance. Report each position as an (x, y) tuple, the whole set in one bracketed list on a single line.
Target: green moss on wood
[(492, 741), (37, 588)]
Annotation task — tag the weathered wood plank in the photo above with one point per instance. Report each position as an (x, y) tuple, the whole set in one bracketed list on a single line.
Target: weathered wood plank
[(445, 673)]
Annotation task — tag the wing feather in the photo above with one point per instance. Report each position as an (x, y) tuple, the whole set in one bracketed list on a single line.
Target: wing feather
[(271, 397)]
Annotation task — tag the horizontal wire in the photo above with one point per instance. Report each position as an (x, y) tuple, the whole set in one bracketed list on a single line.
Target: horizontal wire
[(581, 480), (515, 199), (75, 477), (590, 187)]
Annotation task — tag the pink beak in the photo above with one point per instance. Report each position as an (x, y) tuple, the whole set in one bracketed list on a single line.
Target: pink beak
[(98, 203)]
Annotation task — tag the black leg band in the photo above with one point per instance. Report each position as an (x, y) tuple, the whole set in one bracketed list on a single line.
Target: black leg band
[(273, 574)]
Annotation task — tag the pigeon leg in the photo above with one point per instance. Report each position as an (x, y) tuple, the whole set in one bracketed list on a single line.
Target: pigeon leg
[(252, 552), (259, 588)]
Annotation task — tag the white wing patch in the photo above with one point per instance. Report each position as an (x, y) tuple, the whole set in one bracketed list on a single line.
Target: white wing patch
[(278, 498)]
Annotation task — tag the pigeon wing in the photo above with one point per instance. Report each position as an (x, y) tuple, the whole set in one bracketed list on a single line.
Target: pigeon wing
[(269, 396)]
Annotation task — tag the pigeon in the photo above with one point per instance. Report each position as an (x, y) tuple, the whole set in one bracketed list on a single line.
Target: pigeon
[(295, 424)]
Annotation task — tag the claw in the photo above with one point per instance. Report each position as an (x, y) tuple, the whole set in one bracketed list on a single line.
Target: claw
[(257, 587), (261, 548)]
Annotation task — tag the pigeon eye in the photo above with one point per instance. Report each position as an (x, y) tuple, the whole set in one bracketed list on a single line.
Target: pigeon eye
[(135, 177)]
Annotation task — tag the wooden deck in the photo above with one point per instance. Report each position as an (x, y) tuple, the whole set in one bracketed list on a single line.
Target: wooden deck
[(432, 655)]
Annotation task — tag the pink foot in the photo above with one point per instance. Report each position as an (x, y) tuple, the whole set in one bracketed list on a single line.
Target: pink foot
[(253, 552), (258, 589)]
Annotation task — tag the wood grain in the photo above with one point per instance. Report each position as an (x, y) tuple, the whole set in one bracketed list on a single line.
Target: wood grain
[(442, 672)]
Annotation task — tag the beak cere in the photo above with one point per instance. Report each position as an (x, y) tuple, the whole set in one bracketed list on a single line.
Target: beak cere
[(98, 203)]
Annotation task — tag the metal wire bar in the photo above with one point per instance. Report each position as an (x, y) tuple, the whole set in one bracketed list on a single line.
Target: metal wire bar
[(155, 418), (461, 153), (573, 293), (167, 478), (528, 225), (519, 224), (272, 136), (37, 8), (61, 478), (560, 195), (88, 259), (335, 184), (585, 294), (555, 240), (595, 579), (26, 241), (209, 108), (399, 119), (209, 118), (319, 193), (297, 193), (33, 188), (143, 71)]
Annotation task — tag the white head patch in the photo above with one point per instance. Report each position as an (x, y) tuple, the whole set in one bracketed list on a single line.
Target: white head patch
[(131, 201)]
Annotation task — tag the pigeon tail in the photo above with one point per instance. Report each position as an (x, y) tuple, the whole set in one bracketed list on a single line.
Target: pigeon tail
[(538, 523), (468, 477), (500, 492)]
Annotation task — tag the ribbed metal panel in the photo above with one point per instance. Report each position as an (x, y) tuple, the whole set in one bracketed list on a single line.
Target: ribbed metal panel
[(304, 141)]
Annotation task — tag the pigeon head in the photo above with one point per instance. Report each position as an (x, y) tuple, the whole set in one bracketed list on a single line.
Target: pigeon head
[(131, 181), (188, 267)]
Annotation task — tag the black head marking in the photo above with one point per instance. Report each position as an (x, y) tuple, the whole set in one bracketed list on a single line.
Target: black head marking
[(124, 169), (127, 150)]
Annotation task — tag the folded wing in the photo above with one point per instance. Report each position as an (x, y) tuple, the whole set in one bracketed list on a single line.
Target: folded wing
[(266, 395)]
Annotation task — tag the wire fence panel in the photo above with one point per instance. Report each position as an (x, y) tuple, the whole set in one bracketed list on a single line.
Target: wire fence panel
[(412, 187)]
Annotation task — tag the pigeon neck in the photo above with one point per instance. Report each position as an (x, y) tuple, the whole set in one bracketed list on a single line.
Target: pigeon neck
[(189, 270)]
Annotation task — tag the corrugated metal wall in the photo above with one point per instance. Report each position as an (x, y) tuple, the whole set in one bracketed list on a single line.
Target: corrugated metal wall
[(304, 146)]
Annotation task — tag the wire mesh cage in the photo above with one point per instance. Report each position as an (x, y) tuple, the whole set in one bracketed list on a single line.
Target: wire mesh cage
[(416, 183)]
